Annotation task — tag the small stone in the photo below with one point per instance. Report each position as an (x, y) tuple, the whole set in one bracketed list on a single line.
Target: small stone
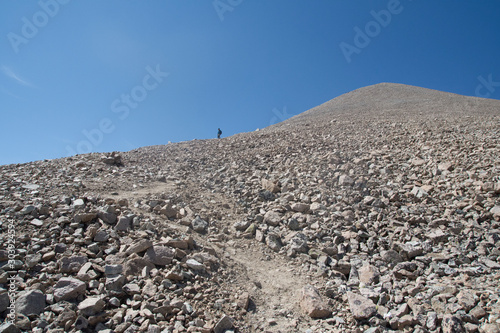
[(391, 256), (272, 218), (495, 210), (149, 289), (132, 288), (174, 276), (81, 323), (199, 225), (85, 217), (432, 321), (101, 236), (243, 301), (405, 321), (36, 222), (345, 180), (300, 207), (241, 225), (79, 203), (114, 282), (224, 324), (107, 215), (445, 166), (417, 161), (274, 242), (452, 324), (168, 211), (466, 299), (271, 186), (490, 328), (139, 246), (195, 265)]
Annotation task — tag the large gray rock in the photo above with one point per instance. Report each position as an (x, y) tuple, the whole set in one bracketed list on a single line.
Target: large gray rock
[(31, 302), (101, 236), (107, 215), (299, 243), (199, 225), (312, 304), (91, 306), (114, 282), (113, 269), (124, 223), (274, 242), (300, 207), (160, 255), (361, 307), (68, 288), (368, 274), (134, 266), (72, 264), (4, 301), (467, 299), (272, 218), (452, 324), (9, 328)]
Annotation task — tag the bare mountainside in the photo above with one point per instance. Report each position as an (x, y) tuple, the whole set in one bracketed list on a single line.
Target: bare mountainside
[(378, 211)]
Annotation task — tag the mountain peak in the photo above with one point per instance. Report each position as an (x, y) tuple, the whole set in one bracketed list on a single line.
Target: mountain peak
[(397, 100)]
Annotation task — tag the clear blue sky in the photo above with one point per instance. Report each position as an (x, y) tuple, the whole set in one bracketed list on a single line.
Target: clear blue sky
[(93, 75)]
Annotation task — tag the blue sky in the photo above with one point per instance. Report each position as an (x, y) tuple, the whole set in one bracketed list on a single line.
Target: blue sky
[(92, 75)]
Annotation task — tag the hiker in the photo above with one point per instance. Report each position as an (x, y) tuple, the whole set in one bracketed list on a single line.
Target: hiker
[(219, 132)]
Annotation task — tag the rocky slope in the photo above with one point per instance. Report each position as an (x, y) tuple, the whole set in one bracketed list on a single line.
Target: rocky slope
[(378, 211)]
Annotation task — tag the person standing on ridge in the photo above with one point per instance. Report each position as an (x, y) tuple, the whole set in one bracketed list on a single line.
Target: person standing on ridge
[(219, 133)]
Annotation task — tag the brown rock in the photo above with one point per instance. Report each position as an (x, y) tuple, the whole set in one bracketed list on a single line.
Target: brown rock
[(312, 304), (361, 307), (271, 186)]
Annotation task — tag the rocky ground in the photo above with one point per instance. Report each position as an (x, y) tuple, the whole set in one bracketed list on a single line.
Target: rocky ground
[(378, 211)]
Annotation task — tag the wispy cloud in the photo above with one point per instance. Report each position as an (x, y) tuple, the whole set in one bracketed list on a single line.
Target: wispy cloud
[(10, 73), (5, 91)]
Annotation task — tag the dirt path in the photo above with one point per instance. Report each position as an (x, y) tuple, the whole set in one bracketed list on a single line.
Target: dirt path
[(273, 285), (272, 281)]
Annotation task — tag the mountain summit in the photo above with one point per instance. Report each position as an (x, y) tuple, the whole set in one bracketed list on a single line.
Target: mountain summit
[(377, 211), (399, 100)]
